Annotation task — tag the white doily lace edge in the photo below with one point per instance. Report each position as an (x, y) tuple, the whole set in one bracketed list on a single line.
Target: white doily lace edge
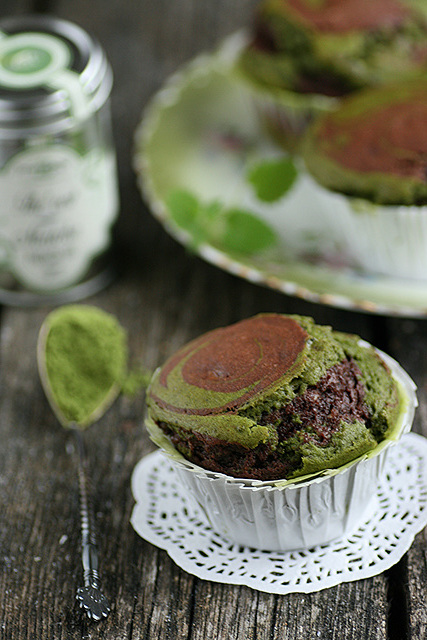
[(167, 517)]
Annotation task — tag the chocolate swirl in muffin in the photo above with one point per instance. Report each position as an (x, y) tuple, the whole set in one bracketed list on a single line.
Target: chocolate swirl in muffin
[(273, 397), (374, 146)]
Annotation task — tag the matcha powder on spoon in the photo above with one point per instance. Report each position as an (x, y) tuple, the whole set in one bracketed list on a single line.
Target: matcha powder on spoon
[(85, 354)]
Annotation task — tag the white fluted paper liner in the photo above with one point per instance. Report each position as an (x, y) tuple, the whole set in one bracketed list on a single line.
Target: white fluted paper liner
[(389, 240), (285, 114), (292, 514), (166, 516)]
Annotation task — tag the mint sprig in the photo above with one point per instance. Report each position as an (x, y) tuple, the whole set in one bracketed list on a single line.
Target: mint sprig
[(228, 228)]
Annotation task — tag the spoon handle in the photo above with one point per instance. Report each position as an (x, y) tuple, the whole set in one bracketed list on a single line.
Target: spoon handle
[(90, 597)]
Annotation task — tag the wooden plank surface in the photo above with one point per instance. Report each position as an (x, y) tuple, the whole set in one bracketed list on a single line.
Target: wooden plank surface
[(165, 296), (408, 343)]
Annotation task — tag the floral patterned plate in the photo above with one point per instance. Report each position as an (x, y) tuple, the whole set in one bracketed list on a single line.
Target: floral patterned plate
[(220, 186)]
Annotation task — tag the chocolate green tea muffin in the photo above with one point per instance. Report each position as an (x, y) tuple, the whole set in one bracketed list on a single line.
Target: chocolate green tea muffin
[(273, 397), (374, 146), (332, 47)]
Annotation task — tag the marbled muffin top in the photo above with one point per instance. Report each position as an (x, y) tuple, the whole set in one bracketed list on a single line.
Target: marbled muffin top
[(374, 145), (336, 46), (273, 396), (343, 16), (207, 381)]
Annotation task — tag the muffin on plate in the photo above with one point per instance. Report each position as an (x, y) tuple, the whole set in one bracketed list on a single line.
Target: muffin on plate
[(370, 157), (257, 414), (307, 55)]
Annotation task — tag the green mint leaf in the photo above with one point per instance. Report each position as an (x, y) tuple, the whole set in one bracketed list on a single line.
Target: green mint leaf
[(244, 232), (211, 211), (271, 179), (183, 207)]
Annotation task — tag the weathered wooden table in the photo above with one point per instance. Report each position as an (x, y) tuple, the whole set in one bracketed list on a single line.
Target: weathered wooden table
[(164, 296)]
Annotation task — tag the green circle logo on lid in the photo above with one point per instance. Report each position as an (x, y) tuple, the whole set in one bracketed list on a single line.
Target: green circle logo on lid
[(31, 59), (27, 60)]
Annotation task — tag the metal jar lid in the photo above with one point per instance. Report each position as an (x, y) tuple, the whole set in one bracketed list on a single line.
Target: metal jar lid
[(52, 76)]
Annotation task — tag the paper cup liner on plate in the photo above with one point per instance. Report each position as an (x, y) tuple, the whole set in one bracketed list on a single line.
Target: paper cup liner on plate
[(284, 515), (285, 114), (389, 240)]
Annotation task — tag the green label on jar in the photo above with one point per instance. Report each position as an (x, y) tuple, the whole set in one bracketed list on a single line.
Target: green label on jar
[(31, 59)]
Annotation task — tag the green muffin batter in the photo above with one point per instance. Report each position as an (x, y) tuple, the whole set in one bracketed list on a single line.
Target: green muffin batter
[(374, 145), (332, 47), (273, 397)]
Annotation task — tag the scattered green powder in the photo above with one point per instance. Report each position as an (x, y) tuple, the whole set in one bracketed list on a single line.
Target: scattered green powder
[(85, 359), (135, 381)]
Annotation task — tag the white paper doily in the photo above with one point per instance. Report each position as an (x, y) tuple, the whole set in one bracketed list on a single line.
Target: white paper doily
[(168, 518)]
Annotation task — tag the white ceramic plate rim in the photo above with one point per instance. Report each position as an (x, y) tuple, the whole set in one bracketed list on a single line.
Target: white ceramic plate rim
[(355, 292)]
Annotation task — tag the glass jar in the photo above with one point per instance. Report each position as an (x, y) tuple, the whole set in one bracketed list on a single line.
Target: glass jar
[(58, 176)]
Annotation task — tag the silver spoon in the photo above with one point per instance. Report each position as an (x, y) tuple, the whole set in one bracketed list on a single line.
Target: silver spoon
[(90, 596), (91, 599)]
